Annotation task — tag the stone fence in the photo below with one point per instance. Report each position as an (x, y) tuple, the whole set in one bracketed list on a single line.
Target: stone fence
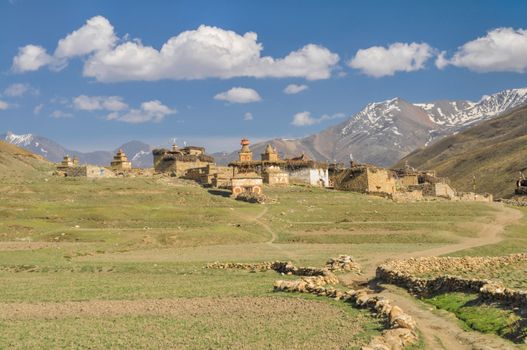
[(401, 273), (401, 330)]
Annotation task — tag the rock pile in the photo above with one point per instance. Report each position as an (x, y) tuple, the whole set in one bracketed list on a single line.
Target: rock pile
[(252, 198), (343, 263)]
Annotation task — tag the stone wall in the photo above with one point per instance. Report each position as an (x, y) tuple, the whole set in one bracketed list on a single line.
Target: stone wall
[(402, 273), (89, 171), (444, 190), (408, 196)]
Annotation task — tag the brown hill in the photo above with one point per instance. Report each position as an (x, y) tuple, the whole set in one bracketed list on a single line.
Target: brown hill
[(494, 151), (16, 160)]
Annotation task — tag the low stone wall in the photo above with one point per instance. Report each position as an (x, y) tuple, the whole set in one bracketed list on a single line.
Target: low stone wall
[(343, 263), (517, 203), (283, 267), (401, 327), (401, 273), (339, 263)]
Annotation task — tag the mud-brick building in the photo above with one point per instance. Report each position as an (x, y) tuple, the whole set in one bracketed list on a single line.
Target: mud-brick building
[(366, 179), (180, 160), (120, 161)]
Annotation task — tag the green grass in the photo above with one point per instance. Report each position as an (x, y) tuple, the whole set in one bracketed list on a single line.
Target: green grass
[(481, 317), (515, 241), (305, 324), (138, 239)]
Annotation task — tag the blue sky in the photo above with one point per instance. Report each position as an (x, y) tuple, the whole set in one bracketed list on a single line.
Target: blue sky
[(108, 81)]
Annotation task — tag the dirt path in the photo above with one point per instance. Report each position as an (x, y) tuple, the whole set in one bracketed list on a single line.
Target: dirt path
[(441, 330), (490, 233)]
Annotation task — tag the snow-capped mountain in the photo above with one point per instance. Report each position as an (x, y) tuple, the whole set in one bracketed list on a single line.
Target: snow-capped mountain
[(139, 153), (384, 132), (462, 113)]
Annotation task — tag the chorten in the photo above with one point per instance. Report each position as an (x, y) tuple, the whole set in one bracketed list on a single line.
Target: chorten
[(245, 153), (120, 161), (270, 154)]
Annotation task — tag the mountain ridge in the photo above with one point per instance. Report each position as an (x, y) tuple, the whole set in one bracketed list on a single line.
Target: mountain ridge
[(138, 152), (384, 132), (494, 152)]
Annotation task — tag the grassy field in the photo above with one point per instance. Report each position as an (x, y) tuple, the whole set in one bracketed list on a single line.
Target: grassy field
[(134, 248), (515, 241)]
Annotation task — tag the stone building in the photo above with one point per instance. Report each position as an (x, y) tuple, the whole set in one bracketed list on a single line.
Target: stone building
[(210, 175), (303, 170), (120, 161), (366, 179), (66, 163), (180, 160)]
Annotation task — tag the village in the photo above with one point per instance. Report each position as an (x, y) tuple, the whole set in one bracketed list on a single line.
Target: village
[(247, 177)]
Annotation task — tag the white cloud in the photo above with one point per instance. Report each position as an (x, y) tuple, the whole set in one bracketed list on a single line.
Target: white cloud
[(92, 103), (61, 114), (378, 61), (150, 111), (3, 105), (18, 89), (96, 35), (305, 118), (195, 54), (38, 109), (239, 95), (31, 58), (501, 50), (441, 60), (294, 89), (248, 116)]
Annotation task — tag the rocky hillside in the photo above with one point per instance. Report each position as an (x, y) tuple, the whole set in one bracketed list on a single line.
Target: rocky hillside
[(138, 152), (384, 132), (16, 160), (494, 151)]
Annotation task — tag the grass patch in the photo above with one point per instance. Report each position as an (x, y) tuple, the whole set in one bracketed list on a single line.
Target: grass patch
[(480, 316)]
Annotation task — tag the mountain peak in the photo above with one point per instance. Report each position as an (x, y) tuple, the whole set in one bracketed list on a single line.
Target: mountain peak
[(18, 140)]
